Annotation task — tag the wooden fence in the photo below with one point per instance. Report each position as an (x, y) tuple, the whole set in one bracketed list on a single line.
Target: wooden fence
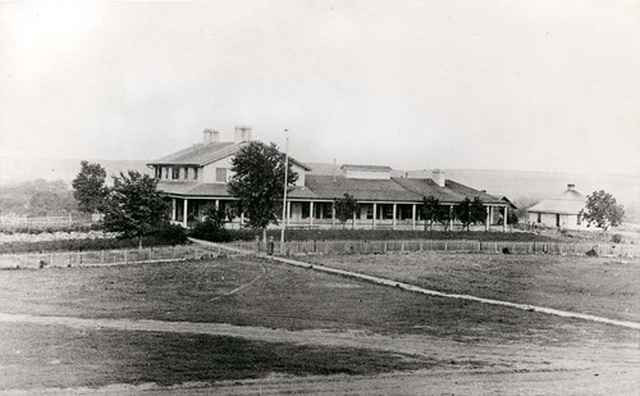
[(105, 257), (459, 246)]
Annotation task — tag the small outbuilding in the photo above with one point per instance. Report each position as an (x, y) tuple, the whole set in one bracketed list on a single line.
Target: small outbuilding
[(563, 211)]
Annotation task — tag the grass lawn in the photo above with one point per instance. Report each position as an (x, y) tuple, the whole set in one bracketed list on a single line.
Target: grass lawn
[(55, 356), (284, 297), (599, 286)]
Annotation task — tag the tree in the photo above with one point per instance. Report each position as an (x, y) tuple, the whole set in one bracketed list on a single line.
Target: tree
[(258, 183), (602, 210), (478, 211), (462, 212), (346, 207), (133, 207), (431, 211), (89, 188)]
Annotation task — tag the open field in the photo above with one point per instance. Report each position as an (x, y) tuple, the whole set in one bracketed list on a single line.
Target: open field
[(598, 286), (324, 325), (56, 356), (280, 297)]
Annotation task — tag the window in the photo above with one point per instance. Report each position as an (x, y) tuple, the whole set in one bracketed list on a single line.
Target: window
[(195, 173), (221, 175), (539, 217), (158, 172), (175, 173)]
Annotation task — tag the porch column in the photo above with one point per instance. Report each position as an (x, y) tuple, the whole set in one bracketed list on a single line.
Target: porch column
[(450, 217), (413, 217), (395, 207), (241, 218), (488, 221), (491, 215), (311, 212), (185, 207), (217, 204), (288, 212), (174, 211), (504, 222), (353, 225), (374, 215), (333, 214)]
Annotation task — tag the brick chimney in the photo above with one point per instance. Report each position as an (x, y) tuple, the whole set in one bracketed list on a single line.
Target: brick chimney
[(437, 175), (242, 134), (211, 136)]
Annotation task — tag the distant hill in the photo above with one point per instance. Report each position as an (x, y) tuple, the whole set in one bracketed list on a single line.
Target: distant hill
[(14, 170)]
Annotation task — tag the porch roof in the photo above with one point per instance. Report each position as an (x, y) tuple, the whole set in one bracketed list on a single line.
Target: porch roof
[(195, 190)]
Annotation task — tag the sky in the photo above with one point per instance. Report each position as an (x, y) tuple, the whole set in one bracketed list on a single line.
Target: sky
[(523, 85)]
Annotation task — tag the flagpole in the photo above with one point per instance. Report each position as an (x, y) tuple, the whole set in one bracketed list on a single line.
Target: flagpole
[(286, 185)]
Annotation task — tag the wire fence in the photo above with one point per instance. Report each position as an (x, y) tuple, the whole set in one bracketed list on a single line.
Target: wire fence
[(107, 257), (292, 248)]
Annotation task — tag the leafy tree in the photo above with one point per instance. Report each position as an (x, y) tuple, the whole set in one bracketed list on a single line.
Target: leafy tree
[(478, 211), (431, 211), (258, 183), (133, 207), (470, 212), (346, 207), (89, 188), (602, 210), (444, 216), (462, 212)]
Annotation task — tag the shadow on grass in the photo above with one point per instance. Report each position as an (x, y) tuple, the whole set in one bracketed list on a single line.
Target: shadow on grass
[(35, 356)]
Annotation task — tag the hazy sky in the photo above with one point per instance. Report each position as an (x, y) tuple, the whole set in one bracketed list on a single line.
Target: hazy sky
[(534, 85)]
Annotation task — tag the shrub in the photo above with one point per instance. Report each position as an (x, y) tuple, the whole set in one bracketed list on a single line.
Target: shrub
[(169, 234)]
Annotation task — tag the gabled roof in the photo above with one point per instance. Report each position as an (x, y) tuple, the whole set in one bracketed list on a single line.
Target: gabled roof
[(451, 192), (203, 154), (569, 202), (366, 168), (200, 154), (471, 193)]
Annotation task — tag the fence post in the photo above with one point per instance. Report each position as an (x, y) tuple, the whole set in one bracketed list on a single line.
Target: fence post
[(125, 256), (402, 246), (384, 248), (445, 246)]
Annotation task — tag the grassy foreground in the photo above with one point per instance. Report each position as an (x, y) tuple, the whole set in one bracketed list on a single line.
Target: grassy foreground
[(281, 297), (55, 356), (600, 286)]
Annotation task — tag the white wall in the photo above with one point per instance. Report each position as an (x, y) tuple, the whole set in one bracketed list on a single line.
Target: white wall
[(209, 171), (549, 220), (358, 174)]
